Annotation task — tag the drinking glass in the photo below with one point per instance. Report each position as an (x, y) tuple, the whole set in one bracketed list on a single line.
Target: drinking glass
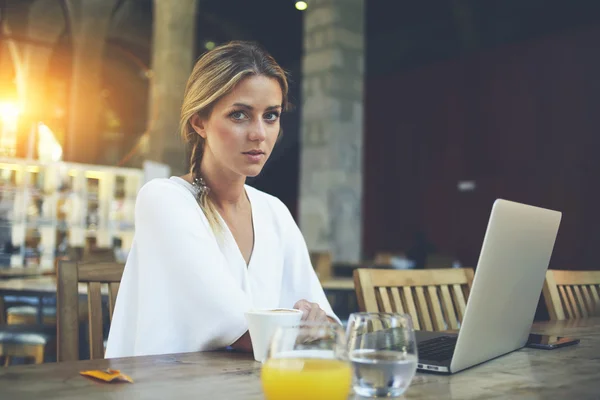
[(383, 352), (307, 361)]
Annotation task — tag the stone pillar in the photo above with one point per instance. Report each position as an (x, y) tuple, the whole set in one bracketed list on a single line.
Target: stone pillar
[(40, 33), (7, 72), (172, 60), (90, 20), (18, 16), (332, 128), (8, 92), (45, 25)]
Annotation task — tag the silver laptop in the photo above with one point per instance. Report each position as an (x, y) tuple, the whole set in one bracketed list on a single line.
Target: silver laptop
[(508, 281)]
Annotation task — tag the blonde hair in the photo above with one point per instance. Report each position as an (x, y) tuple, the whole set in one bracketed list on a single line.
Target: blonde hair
[(215, 75)]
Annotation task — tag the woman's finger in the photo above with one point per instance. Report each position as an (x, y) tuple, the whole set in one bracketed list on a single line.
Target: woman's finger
[(322, 316), (314, 312), (303, 306)]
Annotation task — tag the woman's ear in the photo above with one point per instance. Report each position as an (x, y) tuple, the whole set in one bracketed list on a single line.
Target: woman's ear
[(199, 125)]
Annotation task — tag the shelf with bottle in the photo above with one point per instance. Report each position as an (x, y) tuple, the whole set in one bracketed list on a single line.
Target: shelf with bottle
[(80, 202)]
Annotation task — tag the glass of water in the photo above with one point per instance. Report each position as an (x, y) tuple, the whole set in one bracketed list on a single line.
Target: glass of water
[(383, 352)]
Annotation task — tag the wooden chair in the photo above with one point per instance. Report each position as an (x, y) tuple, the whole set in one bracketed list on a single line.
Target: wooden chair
[(37, 342), (435, 299), (27, 315), (321, 262), (572, 294), (28, 341), (21, 336), (97, 255), (70, 274)]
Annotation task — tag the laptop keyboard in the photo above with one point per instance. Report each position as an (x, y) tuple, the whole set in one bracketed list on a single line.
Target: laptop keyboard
[(437, 349)]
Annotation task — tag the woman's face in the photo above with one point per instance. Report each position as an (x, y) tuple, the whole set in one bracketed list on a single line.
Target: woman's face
[(243, 126)]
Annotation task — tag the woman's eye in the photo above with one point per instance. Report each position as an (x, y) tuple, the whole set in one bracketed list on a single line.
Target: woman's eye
[(237, 115), (272, 116)]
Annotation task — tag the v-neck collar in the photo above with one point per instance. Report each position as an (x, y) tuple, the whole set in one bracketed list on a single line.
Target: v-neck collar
[(230, 238), (232, 241)]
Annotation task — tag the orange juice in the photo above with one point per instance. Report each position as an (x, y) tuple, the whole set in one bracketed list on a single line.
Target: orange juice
[(306, 379)]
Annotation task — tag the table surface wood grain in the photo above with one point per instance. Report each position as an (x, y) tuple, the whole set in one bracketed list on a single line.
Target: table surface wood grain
[(36, 286), (567, 373), (18, 272)]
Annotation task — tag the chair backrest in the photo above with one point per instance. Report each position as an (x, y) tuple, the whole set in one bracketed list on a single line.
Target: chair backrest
[(98, 256), (435, 299), (322, 264), (70, 275), (572, 294)]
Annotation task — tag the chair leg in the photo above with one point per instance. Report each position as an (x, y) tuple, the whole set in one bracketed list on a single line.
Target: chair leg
[(2, 311), (38, 354)]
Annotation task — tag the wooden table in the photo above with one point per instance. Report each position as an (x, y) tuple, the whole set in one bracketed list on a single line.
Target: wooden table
[(40, 287), (338, 284), (567, 373), (12, 273)]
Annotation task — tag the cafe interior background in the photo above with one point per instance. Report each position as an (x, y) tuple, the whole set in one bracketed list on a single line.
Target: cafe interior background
[(409, 120)]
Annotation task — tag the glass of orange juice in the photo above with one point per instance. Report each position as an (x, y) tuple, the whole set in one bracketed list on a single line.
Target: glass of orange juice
[(307, 361)]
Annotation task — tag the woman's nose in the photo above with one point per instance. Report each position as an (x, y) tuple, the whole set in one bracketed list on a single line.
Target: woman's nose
[(258, 131)]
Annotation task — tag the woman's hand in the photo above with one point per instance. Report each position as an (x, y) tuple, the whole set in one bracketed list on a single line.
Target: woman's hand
[(311, 312)]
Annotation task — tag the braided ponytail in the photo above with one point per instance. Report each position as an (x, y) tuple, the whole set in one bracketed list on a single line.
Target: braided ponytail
[(204, 201)]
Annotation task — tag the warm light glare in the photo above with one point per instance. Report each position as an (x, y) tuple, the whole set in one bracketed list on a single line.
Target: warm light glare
[(209, 45), (9, 116), (6, 167), (9, 112), (49, 149), (32, 168), (301, 5)]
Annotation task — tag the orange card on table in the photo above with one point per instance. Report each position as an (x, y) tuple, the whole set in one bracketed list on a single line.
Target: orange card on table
[(108, 375)]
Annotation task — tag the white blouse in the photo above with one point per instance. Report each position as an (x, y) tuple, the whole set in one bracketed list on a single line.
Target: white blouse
[(185, 290)]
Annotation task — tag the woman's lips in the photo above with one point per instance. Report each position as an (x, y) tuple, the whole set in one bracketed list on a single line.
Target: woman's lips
[(254, 156)]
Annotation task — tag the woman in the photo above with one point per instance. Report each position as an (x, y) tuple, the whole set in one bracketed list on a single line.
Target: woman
[(207, 247)]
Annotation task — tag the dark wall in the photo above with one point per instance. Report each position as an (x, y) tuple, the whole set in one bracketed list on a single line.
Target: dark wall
[(521, 121)]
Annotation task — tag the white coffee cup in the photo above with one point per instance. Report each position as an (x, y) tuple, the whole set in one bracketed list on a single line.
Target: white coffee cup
[(262, 324)]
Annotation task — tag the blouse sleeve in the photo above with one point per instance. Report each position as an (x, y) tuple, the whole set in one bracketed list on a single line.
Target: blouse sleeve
[(300, 280), (177, 294)]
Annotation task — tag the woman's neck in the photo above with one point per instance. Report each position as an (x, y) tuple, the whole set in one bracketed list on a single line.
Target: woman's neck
[(226, 188)]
